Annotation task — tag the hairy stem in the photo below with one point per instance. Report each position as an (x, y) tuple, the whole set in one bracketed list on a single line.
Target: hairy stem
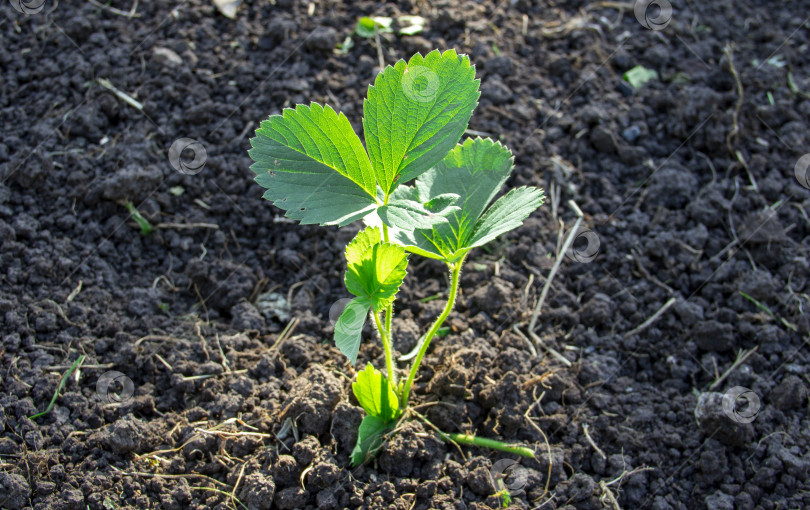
[(451, 300), (388, 339), (385, 336)]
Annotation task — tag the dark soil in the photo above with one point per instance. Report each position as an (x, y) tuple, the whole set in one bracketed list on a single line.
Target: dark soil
[(225, 403)]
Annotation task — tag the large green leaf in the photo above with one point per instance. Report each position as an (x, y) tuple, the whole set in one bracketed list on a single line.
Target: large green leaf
[(369, 438), (507, 213), (416, 112), (475, 170), (349, 327), (375, 269), (314, 166), (375, 394)]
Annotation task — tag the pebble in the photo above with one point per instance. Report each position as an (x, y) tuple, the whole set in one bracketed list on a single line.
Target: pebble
[(631, 133)]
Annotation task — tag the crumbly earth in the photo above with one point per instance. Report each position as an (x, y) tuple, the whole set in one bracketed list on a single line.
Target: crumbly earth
[(687, 184)]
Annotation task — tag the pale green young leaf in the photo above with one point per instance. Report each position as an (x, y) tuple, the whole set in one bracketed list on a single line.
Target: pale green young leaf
[(369, 438), (406, 209), (376, 394), (377, 274), (349, 327), (507, 213), (475, 170), (314, 166), (415, 113), (361, 243)]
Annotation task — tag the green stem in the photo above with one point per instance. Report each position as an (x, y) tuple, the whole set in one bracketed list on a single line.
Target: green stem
[(386, 341), (388, 338), (64, 379), (483, 442), (451, 301)]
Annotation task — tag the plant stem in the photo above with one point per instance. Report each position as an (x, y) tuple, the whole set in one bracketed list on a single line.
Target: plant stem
[(451, 300), (386, 341), (386, 333), (64, 379), (470, 439)]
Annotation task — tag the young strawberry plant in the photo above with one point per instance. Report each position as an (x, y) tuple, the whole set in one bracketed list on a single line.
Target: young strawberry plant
[(316, 168)]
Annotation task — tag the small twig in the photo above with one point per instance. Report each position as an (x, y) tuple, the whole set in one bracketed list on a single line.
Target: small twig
[(187, 226), (131, 14), (735, 118), (524, 337), (568, 242), (545, 438), (285, 333), (74, 292), (380, 56), (202, 340), (644, 325), (591, 441), (165, 363), (550, 350), (121, 95), (741, 357)]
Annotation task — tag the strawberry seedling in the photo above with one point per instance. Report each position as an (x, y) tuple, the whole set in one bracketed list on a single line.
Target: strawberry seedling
[(316, 168)]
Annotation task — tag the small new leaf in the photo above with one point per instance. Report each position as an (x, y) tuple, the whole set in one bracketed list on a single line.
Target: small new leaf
[(314, 166), (376, 394), (374, 271), (369, 438), (349, 327), (407, 211), (475, 170)]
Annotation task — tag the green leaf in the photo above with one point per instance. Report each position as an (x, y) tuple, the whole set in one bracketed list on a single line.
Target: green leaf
[(415, 113), (369, 439), (375, 270), (639, 75), (406, 210), (375, 394), (475, 170), (361, 243), (349, 327), (365, 26), (314, 166), (507, 213)]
